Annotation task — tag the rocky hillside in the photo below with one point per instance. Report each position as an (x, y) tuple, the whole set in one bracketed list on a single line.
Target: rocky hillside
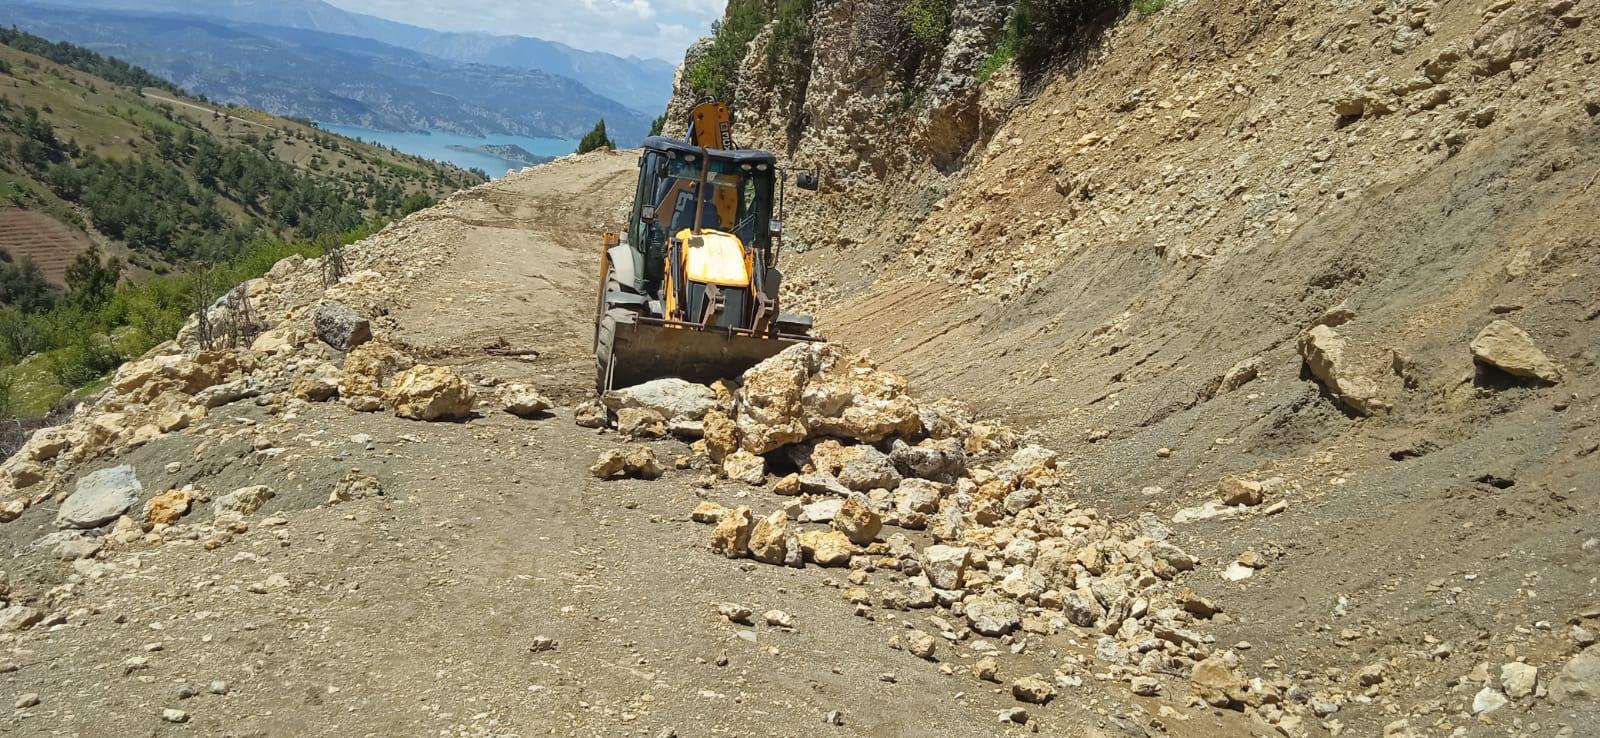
[(369, 516), (1270, 409), (1347, 252)]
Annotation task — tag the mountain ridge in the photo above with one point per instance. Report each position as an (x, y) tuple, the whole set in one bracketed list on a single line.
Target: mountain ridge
[(333, 78), (628, 80)]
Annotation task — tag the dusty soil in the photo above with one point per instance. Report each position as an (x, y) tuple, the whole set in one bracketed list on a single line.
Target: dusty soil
[(421, 611)]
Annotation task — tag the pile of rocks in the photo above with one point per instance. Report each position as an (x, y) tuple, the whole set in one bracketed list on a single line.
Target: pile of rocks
[(317, 344), (1006, 552)]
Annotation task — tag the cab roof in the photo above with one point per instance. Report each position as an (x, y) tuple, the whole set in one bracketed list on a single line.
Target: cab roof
[(737, 156)]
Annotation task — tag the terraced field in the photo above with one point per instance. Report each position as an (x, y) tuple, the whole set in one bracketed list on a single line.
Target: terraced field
[(26, 234)]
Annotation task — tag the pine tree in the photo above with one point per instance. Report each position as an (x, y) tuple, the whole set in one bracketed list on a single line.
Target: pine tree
[(596, 139)]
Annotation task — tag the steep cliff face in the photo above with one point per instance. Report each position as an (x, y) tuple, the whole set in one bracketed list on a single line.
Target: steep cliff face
[(886, 119), (1134, 258)]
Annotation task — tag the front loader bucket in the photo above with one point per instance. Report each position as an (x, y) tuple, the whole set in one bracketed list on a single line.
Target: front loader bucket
[(630, 350)]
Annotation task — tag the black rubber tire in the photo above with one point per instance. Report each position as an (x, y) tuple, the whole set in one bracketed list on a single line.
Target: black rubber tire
[(604, 347)]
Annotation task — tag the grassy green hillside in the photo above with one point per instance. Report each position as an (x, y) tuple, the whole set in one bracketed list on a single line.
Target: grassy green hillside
[(118, 196)]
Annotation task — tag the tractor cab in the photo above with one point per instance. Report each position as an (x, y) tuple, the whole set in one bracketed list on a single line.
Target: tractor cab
[(687, 193)]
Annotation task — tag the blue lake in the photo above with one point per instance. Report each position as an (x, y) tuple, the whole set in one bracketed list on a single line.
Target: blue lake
[(436, 145)]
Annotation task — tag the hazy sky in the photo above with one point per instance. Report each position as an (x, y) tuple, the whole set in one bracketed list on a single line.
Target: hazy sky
[(646, 28)]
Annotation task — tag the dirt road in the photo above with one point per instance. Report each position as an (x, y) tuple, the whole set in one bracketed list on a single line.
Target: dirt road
[(495, 588), (173, 101)]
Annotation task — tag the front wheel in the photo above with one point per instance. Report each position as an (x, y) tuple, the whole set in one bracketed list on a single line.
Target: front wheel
[(605, 340)]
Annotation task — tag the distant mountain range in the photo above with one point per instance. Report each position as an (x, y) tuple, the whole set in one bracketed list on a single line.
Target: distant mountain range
[(308, 59), (645, 84)]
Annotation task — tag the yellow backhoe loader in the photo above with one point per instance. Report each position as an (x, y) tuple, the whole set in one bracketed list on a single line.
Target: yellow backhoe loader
[(691, 289)]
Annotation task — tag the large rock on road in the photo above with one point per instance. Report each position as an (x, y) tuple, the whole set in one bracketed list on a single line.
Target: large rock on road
[(340, 326), (672, 397), (100, 498), (426, 392)]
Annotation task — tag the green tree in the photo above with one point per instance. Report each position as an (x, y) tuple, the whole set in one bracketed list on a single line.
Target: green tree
[(596, 139), (789, 48), (20, 335), (717, 73), (23, 285), (928, 19), (658, 124), (1043, 33), (415, 201), (90, 281)]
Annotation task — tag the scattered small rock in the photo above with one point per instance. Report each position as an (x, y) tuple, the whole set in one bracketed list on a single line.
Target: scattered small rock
[(1578, 681), (354, 486), (1488, 700), (1215, 682), (743, 466), (788, 486), (18, 617), (768, 539), (857, 520), (672, 398), (821, 511), (993, 615), (1511, 350), (1518, 679), (243, 501), (1324, 352), (1033, 690), (945, 565), (826, 547), (641, 423), (734, 612), (635, 461), (523, 400), (731, 537), (1239, 491), (168, 507), (707, 512), (591, 414)]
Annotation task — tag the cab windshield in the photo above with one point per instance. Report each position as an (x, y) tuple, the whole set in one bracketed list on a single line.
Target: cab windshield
[(737, 197)]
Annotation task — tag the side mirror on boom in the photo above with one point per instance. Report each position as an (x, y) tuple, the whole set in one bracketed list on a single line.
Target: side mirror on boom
[(806, 181)]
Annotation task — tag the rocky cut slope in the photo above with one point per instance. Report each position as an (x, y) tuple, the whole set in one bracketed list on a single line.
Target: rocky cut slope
[(1344, 252)]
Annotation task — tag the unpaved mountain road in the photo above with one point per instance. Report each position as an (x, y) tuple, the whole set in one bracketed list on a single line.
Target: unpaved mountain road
[(421, 612)]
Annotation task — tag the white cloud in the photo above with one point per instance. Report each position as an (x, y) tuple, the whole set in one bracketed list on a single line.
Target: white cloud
[(648, 28)]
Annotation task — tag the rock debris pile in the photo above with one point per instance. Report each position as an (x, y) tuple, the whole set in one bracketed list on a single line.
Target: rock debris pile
[(934, 511), (313, 344)]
